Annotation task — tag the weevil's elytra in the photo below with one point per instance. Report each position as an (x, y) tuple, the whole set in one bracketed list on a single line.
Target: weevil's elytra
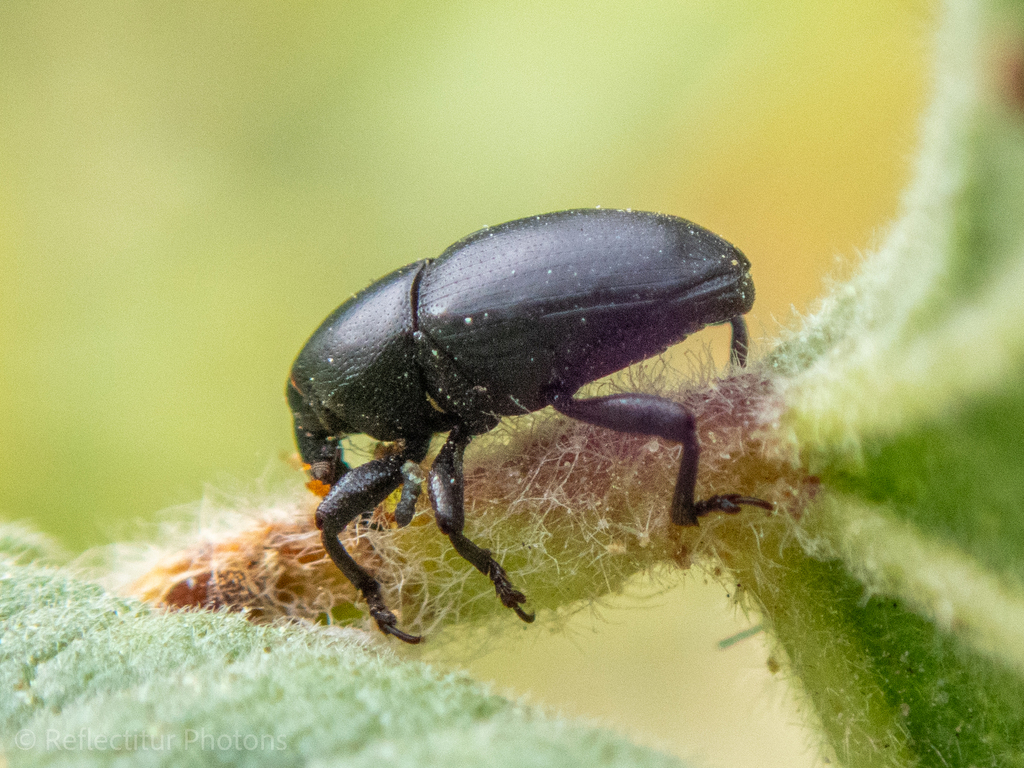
[(506, 321)]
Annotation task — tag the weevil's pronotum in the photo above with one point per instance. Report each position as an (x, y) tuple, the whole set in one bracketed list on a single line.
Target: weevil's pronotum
[(507, 321)]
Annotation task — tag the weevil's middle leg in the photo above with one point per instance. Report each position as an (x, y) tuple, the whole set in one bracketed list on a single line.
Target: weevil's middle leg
[(659, 417), (445, 486)]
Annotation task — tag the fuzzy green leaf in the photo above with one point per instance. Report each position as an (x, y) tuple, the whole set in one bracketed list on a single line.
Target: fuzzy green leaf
[(899, 597), (92, 679)]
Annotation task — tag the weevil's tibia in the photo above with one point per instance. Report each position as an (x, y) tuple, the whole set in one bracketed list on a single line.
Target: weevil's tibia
[(369, 587), (445, 486), (740, 342), (411, 489)]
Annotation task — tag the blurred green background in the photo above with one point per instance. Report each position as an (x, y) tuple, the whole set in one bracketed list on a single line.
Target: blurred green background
[(187, 189)]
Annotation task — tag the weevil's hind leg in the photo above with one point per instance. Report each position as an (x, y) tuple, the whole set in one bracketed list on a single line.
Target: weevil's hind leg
[(445, 486), (657, 416), (358, 491), (740, 342)]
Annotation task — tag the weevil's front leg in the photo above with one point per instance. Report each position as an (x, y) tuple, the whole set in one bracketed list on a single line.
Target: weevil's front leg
[(358, 491), (445, 486), (657, 416)]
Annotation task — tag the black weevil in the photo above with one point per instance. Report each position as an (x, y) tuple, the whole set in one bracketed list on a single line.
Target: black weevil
[(507, 321)]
